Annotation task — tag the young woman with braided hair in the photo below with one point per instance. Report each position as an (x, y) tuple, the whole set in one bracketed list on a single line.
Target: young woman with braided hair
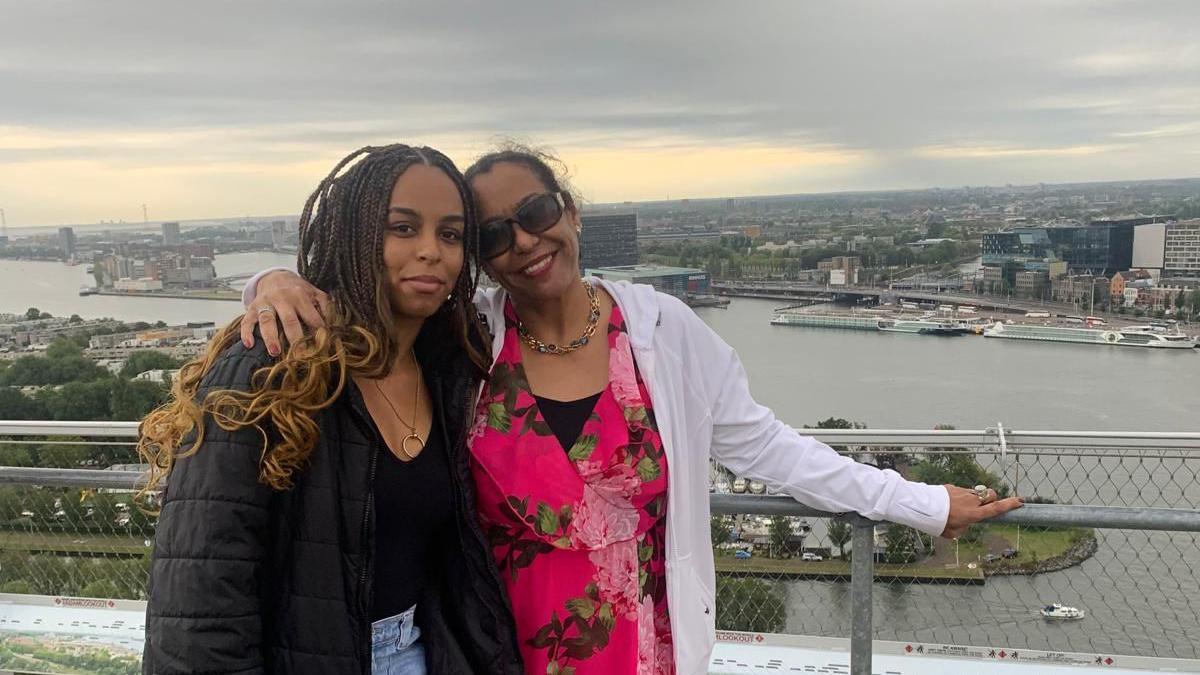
[(593, 434), (317, 514)]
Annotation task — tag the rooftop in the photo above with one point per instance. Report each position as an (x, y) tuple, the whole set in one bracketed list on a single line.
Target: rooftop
[(642, 271)]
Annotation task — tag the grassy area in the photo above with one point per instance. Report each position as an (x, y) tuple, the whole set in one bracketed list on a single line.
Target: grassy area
[(1034, 545), (841, 568), (1038, 545), (65, 542)]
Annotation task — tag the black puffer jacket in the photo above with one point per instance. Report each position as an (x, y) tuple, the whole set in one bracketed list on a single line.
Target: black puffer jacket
[(245, 579)]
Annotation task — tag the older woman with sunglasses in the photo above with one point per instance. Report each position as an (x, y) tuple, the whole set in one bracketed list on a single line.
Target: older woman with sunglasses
[(592, 438)]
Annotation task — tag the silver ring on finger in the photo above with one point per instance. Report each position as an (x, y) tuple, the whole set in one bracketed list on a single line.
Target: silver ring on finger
[(264, 310)]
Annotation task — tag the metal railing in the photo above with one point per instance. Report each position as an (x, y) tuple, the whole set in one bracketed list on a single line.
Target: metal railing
[(1123, 546)]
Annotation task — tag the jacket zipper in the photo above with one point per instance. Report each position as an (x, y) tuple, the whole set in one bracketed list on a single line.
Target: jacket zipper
[(368, 553), (466, 515)]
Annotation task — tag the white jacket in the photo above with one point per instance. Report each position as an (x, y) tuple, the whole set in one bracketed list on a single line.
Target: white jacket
[(703, 407)]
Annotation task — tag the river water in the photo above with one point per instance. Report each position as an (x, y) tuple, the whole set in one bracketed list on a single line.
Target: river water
[(1139, 589)]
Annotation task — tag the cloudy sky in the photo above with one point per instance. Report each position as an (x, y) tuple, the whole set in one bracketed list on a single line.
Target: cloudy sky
[(212, 109)]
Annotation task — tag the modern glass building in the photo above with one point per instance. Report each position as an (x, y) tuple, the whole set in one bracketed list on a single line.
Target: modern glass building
[(608, 240)]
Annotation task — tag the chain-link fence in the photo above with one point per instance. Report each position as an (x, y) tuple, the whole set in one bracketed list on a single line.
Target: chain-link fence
[(70, 525), (1134, 588), (67, 528)]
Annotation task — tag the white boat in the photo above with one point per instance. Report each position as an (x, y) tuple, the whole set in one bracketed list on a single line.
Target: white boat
[(921, 326), (847, 321), (1057, 611), (1136, 336)]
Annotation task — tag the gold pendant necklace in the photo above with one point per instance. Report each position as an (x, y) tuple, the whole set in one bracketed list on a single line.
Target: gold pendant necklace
[(412, 429)]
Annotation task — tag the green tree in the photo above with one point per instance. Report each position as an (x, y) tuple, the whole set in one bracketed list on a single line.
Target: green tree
[(32, 314), (956, 466), (780, 531), (17, 406), (40, 371), (13, 454), (101, 588), (720, 528), (840, 533), (63, 455), (11, 502), (106, 510), (133, 399), (75, 369), (749, 605), (84, 401), (973, 535), (899, 545), (75, 318), (147, 359), (63, 348)]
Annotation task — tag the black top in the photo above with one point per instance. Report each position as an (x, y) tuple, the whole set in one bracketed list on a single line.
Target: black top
[(250, 580), (566, 418), (414, 511)]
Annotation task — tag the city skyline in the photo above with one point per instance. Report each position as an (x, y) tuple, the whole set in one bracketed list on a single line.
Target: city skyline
[(201, 111)]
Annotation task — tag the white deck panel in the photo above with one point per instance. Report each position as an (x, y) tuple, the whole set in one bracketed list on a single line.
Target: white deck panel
[(763, 654)]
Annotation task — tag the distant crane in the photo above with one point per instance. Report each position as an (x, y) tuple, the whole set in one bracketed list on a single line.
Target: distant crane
[(145, 217)]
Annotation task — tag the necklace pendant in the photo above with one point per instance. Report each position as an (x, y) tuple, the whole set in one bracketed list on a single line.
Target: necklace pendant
[(420, 445)]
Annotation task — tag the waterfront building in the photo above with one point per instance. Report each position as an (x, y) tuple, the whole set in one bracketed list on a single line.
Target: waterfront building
[(608, 240), (66, 241), (677, 281), (1181, 249), (170, 234), (842, 269)]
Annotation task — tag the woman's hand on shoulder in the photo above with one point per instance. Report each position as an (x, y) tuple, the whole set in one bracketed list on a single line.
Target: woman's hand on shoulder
[(966, 509), (283, 299)]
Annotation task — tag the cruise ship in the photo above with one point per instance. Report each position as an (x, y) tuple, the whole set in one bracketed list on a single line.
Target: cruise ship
[(872, 323), (1136, 336), (845, 321)]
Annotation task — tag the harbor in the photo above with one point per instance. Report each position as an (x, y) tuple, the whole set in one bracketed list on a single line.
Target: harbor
[(952, 320)]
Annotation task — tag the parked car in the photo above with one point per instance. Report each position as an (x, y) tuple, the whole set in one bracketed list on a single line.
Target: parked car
[(990, 558), (743, 554), (1008, 553), (811, 557)]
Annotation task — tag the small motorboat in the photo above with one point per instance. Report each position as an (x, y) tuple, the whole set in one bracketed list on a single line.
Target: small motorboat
[(1057, 611)]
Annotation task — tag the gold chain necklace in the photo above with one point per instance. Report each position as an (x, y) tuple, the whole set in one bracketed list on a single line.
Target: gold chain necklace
[(412, 429), (544, 348)]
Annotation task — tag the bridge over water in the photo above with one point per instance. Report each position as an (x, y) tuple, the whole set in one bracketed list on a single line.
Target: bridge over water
[(791, 290)]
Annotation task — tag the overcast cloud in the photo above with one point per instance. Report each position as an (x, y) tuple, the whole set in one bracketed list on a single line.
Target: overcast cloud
[(207, 109)]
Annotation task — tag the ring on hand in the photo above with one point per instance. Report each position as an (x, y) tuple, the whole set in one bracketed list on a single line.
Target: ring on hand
[(262, 310), (984, 494)]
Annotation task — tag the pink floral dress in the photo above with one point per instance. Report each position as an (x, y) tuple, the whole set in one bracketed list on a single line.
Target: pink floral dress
[(578, 533)]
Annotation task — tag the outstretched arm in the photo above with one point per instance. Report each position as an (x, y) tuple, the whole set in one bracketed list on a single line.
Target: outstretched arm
[(752, 442)]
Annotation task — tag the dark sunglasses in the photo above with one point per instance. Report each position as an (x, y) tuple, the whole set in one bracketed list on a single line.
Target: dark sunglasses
[(535, 216)]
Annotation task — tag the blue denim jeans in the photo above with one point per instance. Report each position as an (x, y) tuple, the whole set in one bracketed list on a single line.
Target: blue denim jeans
[(395, 646)]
